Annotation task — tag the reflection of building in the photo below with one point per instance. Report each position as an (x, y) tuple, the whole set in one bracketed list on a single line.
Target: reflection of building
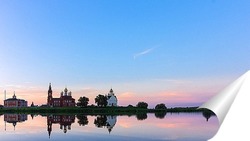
[(65, 122), (111, 121), (14, 118), (207, 114), (14, 102), (112, 100), (65, 100), (105, 121)]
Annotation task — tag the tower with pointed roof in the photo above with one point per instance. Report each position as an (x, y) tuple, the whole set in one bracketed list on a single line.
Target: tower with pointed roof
[(111, 98), (65, 99), (50, 97)]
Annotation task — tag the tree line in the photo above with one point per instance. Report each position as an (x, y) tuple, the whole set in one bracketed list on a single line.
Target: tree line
[(101, 101)]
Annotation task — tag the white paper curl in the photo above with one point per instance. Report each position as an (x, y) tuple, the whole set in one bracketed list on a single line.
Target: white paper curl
[(232, 107)]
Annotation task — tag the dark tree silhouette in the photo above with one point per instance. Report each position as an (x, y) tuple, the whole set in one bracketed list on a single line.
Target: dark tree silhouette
[(130, 106), (100, 121), (101, 100), (82, 120), (83, 101), (32, 105), (207, 114), (32, 116), (142, 105), (160, 114), (161, 106), (141, 116)]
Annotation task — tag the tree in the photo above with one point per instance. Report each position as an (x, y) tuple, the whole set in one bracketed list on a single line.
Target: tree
[(82, 120), (83, 101), (32, 105), (161, 106), (160, 114), (141, 116), (207, 114), (100, 121), (143, 105), (101, 100), (32, 116), (130, 106)]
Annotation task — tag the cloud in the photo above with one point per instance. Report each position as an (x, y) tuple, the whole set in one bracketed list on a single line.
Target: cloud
[(144, 52)]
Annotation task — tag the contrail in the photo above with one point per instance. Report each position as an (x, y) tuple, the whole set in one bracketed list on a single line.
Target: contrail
[(144, 52)]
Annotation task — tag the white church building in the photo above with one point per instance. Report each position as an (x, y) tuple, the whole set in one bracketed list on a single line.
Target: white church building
[(111, 121), (112, 100)]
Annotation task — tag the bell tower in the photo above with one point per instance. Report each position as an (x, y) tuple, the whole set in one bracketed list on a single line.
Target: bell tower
[(49, 99), (49, 125)]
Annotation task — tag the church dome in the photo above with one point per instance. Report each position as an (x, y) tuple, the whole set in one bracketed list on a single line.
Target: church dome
[(111, 90), (65, 90)]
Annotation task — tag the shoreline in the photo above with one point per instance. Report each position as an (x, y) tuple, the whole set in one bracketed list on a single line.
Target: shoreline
[(97, 110)]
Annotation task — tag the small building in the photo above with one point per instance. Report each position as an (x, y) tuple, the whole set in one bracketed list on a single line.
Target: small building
[(14, 102), (111, 98), (111, 121), (65, 100)]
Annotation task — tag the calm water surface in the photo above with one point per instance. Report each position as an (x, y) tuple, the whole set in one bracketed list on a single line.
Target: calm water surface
[(177, 127)]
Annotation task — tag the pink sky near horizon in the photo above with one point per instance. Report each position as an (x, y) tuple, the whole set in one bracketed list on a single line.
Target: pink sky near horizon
[(172, 93), (189, 95), (124, 98)]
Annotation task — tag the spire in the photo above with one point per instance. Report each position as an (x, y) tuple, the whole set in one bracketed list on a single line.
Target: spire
[(111, 90), (14, 96), (4, 94), (14, 124), (49, 134), (65, 91), (109, 129), (50, 89)]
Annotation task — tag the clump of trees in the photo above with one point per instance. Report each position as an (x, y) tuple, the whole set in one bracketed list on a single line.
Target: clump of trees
[(101, 100), (83, 102), (82, 120), (143, 105), (100, 121), (141, 116), (161, 106), (130, 106), (160, 115)]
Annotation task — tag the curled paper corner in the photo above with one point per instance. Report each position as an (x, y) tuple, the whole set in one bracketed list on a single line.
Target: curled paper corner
[(221, 103), (228, 105)]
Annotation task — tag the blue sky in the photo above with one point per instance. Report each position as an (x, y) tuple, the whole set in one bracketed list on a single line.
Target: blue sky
[(143, 48)]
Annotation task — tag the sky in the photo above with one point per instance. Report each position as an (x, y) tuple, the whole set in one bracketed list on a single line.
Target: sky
[(177, 52)]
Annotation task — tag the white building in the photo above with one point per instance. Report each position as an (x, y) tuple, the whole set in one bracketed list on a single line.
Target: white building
[(111, 121), (112, 100)]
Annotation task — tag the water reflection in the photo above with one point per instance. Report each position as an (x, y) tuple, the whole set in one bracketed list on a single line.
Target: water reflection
[(141, 116), (143, 126), (160, 115), (64, 121), (100, 121), (207, 114), (82, 120), (14, 118)]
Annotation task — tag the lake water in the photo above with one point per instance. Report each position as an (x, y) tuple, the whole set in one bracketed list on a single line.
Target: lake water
[(175, 126)]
